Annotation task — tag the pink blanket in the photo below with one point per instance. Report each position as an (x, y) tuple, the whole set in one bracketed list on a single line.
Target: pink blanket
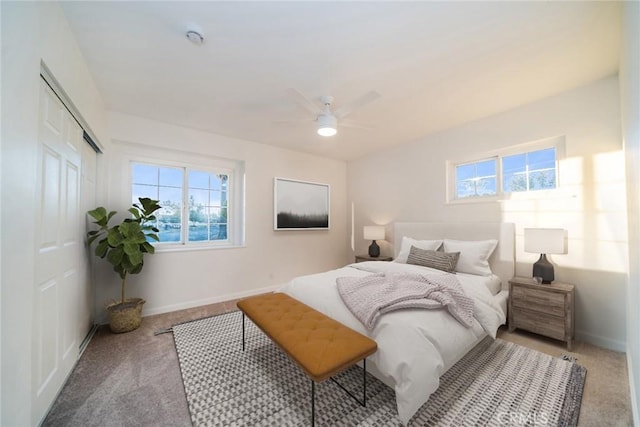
[(371, 296)]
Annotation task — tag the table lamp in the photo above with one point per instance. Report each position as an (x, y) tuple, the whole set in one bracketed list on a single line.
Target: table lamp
[(545, 241), (374, 232)]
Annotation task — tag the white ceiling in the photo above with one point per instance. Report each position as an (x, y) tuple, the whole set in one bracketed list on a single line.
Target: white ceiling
[(436, 64)]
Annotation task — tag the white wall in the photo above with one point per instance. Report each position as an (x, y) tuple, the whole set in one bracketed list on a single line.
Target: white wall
[(31, 32), (172, 280), (408, 184), (630, 107)]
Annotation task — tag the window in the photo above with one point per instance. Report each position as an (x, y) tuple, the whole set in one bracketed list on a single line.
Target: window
[(517, 170), (535, 170), (195, 203), (476, 179)]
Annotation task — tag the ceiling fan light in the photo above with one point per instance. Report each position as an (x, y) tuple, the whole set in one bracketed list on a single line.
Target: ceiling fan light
[(327, 125), (327, 131)]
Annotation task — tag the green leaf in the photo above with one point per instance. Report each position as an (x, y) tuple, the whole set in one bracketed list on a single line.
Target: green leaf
[(154, 237), (147, 247), (149, 206), (101, 249), (131, 248), (130, 229), (137, 269), (111, 214), (135, 258), (115, 255), (92, 238), (115, 237), (135, 212), (98, 213)]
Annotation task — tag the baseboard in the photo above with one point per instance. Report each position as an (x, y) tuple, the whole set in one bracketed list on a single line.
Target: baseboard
[(601, 341), (632, 390), (207, 301)]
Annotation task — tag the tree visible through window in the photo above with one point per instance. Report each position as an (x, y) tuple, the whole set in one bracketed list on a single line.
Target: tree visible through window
[(535, 170), (523, 172), (476, 179), (204, 193), (208, 206)]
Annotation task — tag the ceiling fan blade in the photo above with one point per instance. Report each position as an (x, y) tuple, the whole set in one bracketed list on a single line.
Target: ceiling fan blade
[(358, 103), (351, 124), (303, 101), (292, 123)]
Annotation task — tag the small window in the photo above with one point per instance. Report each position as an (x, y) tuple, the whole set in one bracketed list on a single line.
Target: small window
[(205, 194), (521, 171), (535, 170), (476, 179)]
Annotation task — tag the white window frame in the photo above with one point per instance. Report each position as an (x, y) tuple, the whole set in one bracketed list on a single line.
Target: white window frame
[(235, 170), (558, 143), (184, 230), (478, 197)]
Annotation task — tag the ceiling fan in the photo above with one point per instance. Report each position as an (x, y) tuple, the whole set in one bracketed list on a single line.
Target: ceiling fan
[(326, 118)]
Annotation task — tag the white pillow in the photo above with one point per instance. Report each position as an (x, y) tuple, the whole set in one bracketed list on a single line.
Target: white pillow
[(474, 255), (407, 242)]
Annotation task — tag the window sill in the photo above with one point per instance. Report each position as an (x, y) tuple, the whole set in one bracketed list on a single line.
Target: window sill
[(488, 199), (530, 195), (190, 248)]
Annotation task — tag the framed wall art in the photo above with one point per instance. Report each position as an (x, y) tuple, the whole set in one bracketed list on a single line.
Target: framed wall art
[(300, 205)]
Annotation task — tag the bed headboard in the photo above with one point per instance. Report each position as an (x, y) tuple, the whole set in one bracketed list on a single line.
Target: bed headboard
[(502, 261)]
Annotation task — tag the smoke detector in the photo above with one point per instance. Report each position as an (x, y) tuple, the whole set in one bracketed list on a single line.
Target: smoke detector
[(195, 37)]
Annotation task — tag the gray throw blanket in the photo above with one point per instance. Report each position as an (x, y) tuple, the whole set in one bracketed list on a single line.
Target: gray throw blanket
[(371, 296)]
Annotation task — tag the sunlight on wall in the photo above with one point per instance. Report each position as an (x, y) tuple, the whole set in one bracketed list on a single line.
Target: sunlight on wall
[(590, 205)]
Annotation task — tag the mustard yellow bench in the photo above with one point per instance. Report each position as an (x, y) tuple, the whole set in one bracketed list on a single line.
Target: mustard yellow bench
[(319, 345)]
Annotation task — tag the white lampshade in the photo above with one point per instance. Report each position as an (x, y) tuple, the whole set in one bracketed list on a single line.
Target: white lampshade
[(373, 232), (545, 240)]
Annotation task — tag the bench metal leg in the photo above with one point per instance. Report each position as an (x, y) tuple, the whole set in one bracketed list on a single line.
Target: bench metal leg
[(362, 402), (243, 331)]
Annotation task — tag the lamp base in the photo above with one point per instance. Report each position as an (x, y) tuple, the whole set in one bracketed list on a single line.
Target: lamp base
[(543, 268), (374, 250)]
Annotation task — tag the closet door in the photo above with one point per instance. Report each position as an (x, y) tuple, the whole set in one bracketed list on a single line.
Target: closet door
[(60, 260)]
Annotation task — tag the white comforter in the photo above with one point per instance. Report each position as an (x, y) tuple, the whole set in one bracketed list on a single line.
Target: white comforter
[(415, 347)]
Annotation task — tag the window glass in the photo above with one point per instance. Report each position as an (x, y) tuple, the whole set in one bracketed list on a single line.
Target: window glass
[(476, 179), (535, 170), (207, 206), (204, 193)]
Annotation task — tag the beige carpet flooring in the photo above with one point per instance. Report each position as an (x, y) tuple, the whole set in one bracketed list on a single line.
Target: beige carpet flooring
[(134, 379)]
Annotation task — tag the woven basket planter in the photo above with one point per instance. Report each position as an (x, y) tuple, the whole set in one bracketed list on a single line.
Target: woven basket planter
[(125, 317)]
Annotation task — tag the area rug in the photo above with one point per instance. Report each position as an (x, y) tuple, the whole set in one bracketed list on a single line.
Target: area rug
[(497, 383)]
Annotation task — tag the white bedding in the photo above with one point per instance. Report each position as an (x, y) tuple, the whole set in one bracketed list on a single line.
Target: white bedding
[(415, 347)]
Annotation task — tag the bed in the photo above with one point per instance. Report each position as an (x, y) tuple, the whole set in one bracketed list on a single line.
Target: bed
[(415, 347)]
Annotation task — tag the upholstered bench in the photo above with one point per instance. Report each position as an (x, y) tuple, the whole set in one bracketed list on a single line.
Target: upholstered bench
[(319, 345)]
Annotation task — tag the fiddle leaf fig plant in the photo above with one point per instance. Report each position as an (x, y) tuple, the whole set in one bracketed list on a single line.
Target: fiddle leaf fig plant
[(125, 244)]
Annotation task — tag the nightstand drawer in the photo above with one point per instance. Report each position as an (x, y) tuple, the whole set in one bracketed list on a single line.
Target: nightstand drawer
[(542, 309), (540, 301), (544, 324)]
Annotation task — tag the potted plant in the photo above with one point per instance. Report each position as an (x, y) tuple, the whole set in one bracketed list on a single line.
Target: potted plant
[(124, 246)]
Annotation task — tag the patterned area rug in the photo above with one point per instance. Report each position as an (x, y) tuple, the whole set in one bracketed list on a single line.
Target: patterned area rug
[(497, 383)]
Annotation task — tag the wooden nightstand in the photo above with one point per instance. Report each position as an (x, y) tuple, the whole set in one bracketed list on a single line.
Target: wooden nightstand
[(361, 258), (544, 309)]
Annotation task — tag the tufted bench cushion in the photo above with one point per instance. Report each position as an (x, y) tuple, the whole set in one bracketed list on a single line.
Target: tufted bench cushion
[(321, 346)]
